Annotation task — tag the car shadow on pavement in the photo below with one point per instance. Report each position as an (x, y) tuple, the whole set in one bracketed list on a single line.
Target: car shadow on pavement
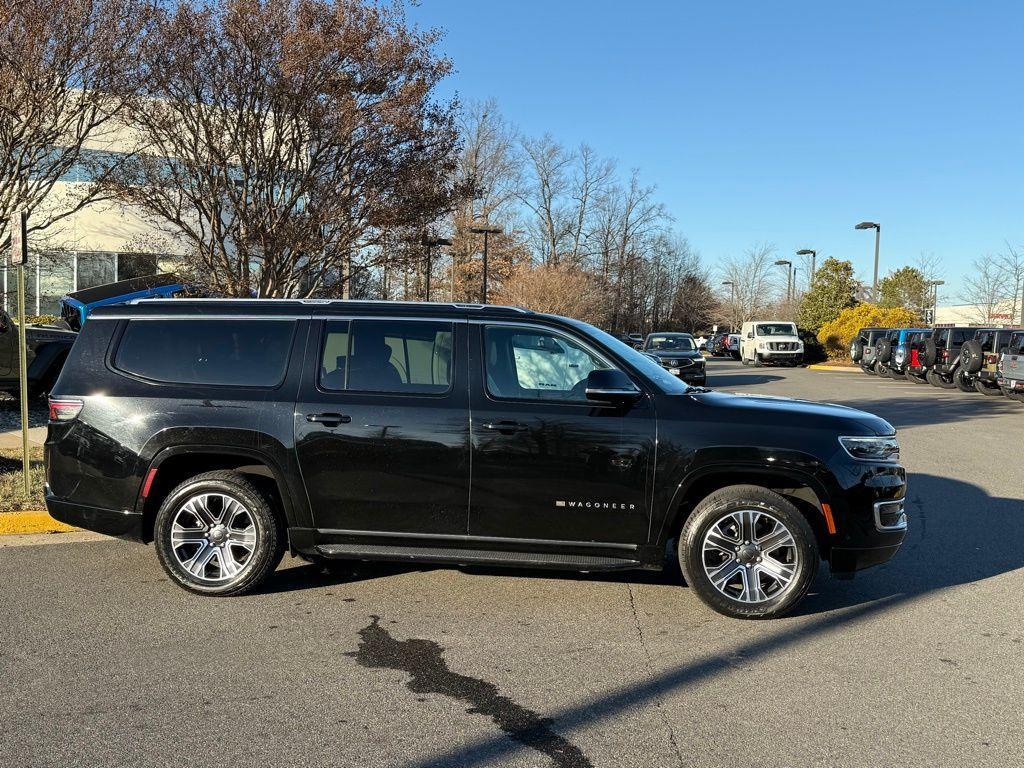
[(913, 410), (720, 380), (958, 535), (950, 543)]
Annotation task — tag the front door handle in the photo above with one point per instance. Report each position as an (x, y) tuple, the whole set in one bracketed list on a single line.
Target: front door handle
[(506, 427), (328, 419)]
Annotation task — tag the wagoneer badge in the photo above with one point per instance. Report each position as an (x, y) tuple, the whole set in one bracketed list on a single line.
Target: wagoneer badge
[(595, 504)]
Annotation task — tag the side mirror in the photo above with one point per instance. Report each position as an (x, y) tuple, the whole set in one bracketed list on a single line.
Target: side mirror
[(609, 385), (750, 335)]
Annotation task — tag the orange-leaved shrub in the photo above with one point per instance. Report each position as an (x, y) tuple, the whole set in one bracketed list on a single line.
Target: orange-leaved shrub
[(837, 335)]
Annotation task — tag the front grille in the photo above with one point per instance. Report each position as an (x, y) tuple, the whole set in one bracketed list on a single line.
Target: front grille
[(783, 346)]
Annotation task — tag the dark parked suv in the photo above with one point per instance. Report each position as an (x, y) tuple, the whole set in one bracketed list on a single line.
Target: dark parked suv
[(979, 360), (226, 432), (940, 354), (677, 353)]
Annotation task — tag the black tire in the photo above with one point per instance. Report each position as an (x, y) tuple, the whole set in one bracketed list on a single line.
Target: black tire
[(857, 350), (985, 389), (962, 382), (717, 508), (870, 371), (883, 350), (937, 380), (269, 535), (915, 379), (972, 357), (928, 352), (757, 361), (884, 370)]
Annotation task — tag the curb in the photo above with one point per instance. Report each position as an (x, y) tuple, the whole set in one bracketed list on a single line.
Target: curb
[(835, 368), (31, 522)]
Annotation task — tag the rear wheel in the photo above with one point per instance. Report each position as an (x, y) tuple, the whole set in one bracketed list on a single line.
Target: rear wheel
[(916, 379), (748, 553), (938, 380), (963, 381), (985, 389), (216, 534)]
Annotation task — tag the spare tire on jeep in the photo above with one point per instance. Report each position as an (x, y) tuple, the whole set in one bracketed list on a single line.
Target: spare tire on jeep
[(883, 350), (928, 352), (857, 349), (972, 356)]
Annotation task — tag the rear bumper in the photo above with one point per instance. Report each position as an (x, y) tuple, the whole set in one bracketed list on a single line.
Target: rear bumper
[(111, 522)]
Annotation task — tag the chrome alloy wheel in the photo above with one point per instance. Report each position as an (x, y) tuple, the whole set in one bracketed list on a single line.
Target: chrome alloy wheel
[(213, 537), (750, 556)]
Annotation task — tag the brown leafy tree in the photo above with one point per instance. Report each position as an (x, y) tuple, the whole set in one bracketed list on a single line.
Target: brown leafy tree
[(65, 69), (283, 142)]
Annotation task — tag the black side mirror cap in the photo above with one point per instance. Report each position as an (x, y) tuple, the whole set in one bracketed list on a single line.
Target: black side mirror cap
[(609, 385)]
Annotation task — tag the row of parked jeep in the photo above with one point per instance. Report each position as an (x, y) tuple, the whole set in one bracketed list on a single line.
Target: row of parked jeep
[(986, 360)]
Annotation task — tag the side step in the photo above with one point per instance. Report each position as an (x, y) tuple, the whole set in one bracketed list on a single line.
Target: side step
[(459, 556)]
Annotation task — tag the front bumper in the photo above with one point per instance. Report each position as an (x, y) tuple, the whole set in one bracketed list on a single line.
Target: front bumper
[(111, 522), (871, 516), (688, 372)]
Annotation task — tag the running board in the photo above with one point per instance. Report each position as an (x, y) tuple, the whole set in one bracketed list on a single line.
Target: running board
[(390, 552)]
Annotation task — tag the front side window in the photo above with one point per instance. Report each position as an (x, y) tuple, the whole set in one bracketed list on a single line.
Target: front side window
[(244, 353), (399, 356), (534, 364)]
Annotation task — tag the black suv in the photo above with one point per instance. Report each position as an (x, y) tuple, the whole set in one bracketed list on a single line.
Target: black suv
[(46, 350), (677, 353), (940, 354), (229, 431), (863, 348), (979, 360)]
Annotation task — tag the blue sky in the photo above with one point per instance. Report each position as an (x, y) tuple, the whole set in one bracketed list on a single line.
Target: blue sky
[(786, 122)]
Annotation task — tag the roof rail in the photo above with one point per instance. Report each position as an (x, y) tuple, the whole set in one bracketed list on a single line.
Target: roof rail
[(327, 302)]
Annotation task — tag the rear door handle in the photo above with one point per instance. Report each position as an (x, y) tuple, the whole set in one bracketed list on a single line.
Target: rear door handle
[(506, 427), (328, 419)]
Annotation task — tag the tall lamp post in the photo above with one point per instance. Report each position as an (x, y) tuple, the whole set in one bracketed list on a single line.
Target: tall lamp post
[(430, 243), (732, 301), (814, 256), (485, 231), (789, 277), (934, 285), (878, 236)]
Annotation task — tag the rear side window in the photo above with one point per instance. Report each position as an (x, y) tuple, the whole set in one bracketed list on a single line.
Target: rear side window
[(387, 356), (246, 353), (959, 337)]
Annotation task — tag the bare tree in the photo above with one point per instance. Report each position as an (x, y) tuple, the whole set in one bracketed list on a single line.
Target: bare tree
[(754, 281), (65, 69), (985, 290), (544, 186), (1011, 265), (279, 141)]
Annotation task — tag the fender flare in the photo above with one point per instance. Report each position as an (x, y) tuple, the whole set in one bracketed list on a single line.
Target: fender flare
[(785, 471), (259, 457)]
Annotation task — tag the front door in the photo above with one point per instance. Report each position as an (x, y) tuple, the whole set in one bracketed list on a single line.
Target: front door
[(382, 426), (547, 462)]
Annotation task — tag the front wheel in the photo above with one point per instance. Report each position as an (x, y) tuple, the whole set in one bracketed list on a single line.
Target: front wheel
[(748, 553), (216, 534)]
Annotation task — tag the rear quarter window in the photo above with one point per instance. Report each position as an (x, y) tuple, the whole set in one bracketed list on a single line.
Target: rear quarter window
[(247, 353)]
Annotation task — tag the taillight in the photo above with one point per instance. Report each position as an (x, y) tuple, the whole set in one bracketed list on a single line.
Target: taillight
[(945, 354), (64, 409)]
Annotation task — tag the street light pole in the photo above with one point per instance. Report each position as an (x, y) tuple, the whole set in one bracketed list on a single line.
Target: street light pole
[(732, 302), (814, 256), (789, 277), (878, 236), (430, 242), (934, 285), (485, 231)]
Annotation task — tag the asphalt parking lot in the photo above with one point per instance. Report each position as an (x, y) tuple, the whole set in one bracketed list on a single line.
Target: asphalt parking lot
[(917, 663)]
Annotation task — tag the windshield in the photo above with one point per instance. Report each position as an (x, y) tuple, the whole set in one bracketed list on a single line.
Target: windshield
[(776, 329), (683, 343), (664, 380)]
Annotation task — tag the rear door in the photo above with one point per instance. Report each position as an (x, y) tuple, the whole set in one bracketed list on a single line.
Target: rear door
[(382, 426)]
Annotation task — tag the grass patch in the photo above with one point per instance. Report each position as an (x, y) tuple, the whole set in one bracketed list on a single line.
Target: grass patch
[(12, 496)]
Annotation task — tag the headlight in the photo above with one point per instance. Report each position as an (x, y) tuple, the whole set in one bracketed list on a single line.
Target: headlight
[(761, 345), (871, 448)]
